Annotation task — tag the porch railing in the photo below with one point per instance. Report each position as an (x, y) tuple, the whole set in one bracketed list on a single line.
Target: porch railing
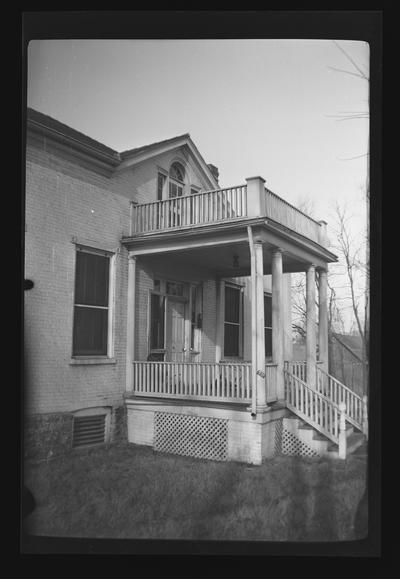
[(206, 207), (297, 368), (197, 381), (226, 381)]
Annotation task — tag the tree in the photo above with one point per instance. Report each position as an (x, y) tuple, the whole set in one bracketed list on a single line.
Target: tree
[(347, 289), (361, 74), (355, 270)]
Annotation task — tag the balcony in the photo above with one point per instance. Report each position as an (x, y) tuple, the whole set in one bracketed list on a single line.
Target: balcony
[(223, 206)]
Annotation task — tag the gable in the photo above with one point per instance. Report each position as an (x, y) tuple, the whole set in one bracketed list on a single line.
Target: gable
[(182, 147)]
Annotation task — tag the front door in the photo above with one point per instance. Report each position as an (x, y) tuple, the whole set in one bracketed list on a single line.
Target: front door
[(175, 331)]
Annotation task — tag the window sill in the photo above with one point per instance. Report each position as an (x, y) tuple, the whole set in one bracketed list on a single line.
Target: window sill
[(91, 360)]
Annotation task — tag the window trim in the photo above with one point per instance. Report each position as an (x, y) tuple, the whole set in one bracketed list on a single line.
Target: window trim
[(195, 306), (107, 358), (151, 350), (240, 324), (269, 295), (164, 174)]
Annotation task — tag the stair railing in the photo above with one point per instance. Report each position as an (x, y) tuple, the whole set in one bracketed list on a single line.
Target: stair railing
[(356, 407), (317, 410), (312, 406)]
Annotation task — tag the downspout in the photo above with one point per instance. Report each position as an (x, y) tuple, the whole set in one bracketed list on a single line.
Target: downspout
[(253, 324)]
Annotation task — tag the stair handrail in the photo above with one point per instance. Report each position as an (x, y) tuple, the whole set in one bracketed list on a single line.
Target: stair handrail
[(356, 406), (313, 407)]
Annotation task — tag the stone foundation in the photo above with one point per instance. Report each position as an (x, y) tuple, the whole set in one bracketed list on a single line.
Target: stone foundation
[(50, 435), (47, 435), (119, 431)]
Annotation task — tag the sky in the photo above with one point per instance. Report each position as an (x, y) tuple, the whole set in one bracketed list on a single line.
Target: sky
[(253, 107)]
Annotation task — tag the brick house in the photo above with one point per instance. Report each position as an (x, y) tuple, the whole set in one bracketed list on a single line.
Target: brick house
[(160, 307)]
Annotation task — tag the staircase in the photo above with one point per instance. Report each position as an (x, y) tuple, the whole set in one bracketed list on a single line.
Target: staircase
[(328, 420)]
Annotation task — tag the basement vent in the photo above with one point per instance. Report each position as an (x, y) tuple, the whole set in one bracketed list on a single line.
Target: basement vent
[(294, 446), (195, 436), (89, 430)]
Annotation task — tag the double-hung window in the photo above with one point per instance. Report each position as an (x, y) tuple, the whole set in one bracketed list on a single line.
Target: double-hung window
[(92, 303), (157, 321), (268, 325), (233, 299)]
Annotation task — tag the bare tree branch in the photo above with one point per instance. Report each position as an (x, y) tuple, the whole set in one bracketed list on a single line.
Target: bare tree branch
[(362, 73)]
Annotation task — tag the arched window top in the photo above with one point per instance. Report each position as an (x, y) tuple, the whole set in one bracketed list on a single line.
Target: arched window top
[(177, 172)]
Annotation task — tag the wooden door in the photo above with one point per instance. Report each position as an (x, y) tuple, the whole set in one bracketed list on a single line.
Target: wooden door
[(175, 331)]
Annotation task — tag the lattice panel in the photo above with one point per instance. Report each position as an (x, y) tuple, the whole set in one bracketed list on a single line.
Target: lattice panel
[(195, 436), (294, 446), (278, 437)]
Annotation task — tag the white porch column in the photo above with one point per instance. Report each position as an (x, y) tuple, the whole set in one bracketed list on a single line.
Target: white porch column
[(323, 318), (277, 320), (130, 322), (311, 342), (219, 347), (259, 333)]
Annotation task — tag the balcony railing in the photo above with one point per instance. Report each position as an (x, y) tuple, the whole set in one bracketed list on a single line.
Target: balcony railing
[(286, 214), (189, 210), (221, 205)]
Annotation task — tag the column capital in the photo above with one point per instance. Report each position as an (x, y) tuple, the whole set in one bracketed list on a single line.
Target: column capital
[(310, 265), (276, 250), (321, 269), (132, 257)]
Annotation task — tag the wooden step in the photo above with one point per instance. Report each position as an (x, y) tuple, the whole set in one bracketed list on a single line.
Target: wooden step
[(354, 441)]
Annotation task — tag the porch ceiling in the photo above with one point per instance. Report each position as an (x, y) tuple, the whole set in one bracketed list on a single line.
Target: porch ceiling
[(218, 261), (212, 249)]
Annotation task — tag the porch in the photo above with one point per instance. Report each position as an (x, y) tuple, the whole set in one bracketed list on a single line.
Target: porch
[(216, 237)]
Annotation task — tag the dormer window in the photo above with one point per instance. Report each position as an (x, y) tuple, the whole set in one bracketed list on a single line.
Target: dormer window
[(176, 180)]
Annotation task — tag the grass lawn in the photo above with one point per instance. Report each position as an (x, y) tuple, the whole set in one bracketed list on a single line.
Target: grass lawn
[(131, 492)]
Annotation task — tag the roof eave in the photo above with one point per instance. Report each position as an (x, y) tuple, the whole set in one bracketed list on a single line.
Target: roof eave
[(111, 160)]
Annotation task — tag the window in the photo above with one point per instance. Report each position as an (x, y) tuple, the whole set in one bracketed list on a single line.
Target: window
[(232, 321), (177, 172), (177, 180), (196, 319), (157, 317), (268, 325), (173, 288), (161, 179), (91, 307)]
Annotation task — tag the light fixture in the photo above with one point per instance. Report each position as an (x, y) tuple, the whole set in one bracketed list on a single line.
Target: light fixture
[(235, 261)]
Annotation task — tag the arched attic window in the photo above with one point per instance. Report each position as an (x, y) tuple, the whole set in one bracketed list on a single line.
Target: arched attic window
[(176, 180)]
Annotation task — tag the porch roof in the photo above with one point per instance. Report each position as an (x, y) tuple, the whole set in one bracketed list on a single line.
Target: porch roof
[(210, 249)]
